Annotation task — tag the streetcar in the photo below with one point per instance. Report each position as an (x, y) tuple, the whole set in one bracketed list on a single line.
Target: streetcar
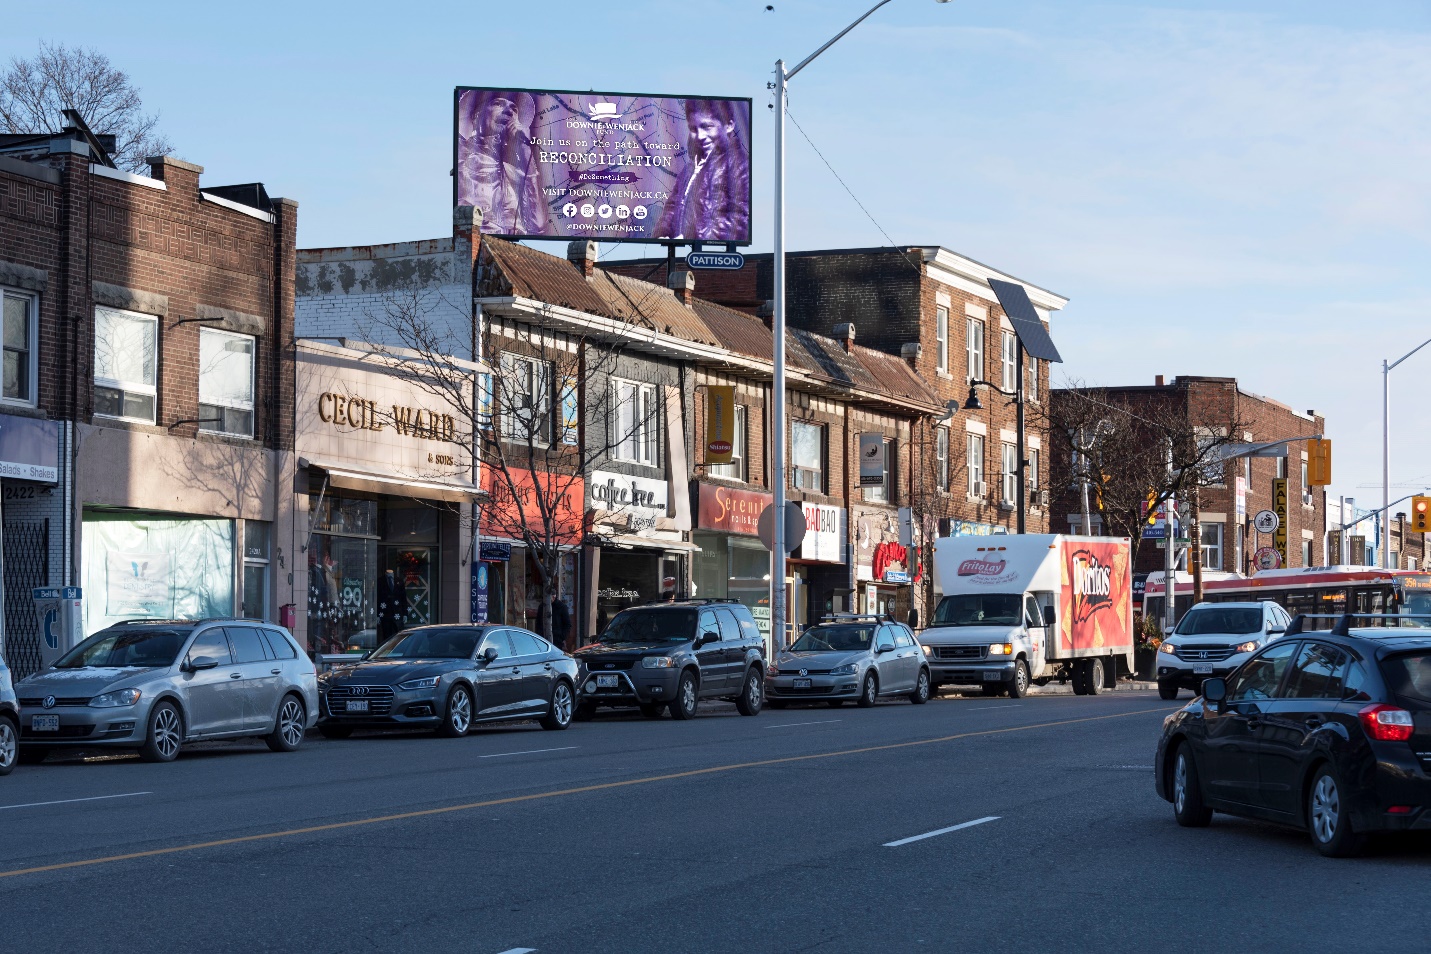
[(1327, 591)]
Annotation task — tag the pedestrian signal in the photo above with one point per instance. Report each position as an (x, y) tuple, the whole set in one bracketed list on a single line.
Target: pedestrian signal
[(1421, 514)]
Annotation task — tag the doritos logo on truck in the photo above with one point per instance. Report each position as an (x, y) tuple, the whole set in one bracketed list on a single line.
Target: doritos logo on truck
[(1092, 584)]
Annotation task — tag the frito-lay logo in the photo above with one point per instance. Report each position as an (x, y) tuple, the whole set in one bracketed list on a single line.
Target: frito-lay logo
[(1092, 584), (982, 567)]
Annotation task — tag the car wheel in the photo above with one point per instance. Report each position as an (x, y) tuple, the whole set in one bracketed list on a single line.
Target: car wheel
[(584, 712), (457, 714), (752, 697), (1019, 685), (869, 691), (777, 703), (652, 710), (684, 705), (1188, 807), (165, 736), (1167, 690), (290, 726), (920, 695), (9, 745), (1327, 817), (559, 712), (32, 755), (335, 731)]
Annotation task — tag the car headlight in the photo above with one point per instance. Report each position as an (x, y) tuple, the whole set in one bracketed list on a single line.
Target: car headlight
[(429, 682), (658, 662), (928, 650), (120, 697), (1001, 649), (774, 670), (1168, 648), (848, 669), (1247, 647)]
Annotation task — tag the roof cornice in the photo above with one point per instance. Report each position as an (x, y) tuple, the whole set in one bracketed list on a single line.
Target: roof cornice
[(973, 277)]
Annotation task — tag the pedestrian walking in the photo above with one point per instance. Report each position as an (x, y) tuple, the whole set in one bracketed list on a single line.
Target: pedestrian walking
[(561, 622)]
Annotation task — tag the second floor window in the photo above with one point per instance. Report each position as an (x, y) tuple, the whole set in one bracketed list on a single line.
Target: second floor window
[(1033, 468), (975, 450), (526, 398), (941, 338), (126, 361), (941, 457), (225, 382), (885, 490), (1031, 391), (807, 456), (19, 335), (735, 470), (634, 420), (974, 349), (1008, 361), (1010, 461)]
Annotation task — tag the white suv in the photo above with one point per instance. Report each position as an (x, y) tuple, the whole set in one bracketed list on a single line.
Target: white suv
[(1213, 639)]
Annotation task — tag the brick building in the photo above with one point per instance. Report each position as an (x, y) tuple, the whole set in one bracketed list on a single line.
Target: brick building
[(148, 328)]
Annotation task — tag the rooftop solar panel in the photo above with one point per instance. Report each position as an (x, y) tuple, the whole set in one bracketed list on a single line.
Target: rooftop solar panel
[(1027, 326)]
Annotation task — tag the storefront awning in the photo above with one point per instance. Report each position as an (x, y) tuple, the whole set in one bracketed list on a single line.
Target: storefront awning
[(646, 543), (396, 486)]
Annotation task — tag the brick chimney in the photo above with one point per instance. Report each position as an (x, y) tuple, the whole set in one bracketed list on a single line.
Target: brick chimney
[(766, 313), (683, 283), (1158, 380), (582, 254), (466, 242), (846, 334), (910, 352), (176, 174)]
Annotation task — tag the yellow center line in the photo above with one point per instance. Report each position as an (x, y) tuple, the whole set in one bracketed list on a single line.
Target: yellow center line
[(559, 793)]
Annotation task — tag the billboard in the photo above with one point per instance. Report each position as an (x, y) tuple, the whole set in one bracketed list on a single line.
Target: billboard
[(611, 167)]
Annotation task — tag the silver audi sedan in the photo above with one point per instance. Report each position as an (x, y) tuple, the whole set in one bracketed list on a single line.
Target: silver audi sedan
[(154, 685), (849, 658)]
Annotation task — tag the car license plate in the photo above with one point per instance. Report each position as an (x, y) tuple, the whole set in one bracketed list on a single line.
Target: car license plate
[(45, 723), (607, 682), (1203, 669), (992, 676), (803, 684), (357, 705)]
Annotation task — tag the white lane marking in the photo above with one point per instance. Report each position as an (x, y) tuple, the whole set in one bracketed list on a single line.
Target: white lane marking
[(498, 755), (786, 725), (67, 801), (978, 708), (942, 831), (523, 950)]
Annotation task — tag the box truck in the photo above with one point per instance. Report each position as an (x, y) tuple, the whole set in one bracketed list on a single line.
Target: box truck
[(1025, 609)]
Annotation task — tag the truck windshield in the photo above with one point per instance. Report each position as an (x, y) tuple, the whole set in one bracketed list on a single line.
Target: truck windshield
[(980, 609)]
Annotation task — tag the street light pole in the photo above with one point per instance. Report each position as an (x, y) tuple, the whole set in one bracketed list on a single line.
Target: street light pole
[(777, 328), (1386, 452)]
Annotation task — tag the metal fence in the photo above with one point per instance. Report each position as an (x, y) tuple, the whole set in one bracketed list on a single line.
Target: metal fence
[(27, 565)]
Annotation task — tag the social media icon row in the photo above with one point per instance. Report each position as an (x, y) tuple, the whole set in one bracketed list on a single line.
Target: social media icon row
[(586, 210)]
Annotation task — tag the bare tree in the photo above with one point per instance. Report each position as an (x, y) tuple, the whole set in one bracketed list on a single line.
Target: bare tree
[(34, 91)]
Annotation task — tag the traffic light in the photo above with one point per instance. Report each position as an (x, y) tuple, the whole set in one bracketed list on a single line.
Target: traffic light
[(1421, 514), (1319, 462)]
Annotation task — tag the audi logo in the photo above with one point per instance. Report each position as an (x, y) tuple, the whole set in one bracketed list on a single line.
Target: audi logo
[(49, 702), (358, 690)]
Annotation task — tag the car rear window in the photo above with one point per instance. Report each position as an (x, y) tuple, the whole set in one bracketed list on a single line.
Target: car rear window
[(1409, 676), (248, 645)]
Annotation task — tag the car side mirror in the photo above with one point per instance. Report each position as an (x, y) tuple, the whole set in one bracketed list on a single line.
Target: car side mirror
[(200, 663), (1048, 617), (883, 648), (490, 654), (1276, 629), (1214, 690), (707, 637)]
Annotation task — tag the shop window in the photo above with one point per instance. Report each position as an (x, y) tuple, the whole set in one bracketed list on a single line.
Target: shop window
[(941, 457), (1212, 538), (735, 470), (974, 348), (126, 359), (526, 400), (20, 322), (635, 420), (226, 382), (885, 491), (807, 456), (975, 465), (941, 337), (1009, 460), (1008, 361)]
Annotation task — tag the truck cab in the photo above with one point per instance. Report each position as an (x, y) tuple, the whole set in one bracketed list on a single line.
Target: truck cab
[(993, 640)]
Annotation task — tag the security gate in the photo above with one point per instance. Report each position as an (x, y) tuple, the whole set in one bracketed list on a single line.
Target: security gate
[(27, 565)]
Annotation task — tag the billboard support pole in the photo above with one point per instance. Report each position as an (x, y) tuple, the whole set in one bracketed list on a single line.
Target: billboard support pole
[(777, 403)]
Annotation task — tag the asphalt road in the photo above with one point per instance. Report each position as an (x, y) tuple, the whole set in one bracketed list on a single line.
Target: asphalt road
[(792, 831)]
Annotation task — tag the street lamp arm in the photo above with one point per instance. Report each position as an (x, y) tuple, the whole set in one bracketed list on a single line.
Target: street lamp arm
[(833, 40), (993, 386), (1389, 366)]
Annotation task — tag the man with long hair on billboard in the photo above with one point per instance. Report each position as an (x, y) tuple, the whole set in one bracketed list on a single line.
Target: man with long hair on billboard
[(499, 172), (711, 201)]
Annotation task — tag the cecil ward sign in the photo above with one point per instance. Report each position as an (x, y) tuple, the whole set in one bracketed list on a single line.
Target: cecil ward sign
[(360, 414)]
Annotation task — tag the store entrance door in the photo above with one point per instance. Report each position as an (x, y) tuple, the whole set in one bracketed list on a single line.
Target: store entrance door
[(413, 566)]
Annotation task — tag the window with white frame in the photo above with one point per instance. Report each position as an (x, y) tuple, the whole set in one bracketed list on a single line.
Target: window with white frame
[(1213, 468), (20, 321), (941, 337), (1033, 468), (1307, 555), (1008, 361), (975, 465), (635, 421), (885, 489), (126, 361), (1212, 536), (526, 399), (735, 470), (1031, 389), (1009, 459), (974, 349), (807, 456), (941, 457), (226, 382)]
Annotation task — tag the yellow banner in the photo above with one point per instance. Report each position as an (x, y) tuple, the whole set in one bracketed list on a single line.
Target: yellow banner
[(1279, 506), (720, 423)]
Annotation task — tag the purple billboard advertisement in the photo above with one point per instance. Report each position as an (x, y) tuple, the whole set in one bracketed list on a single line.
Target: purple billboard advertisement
[(612, 167)]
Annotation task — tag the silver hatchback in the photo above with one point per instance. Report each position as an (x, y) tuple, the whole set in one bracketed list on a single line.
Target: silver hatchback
[(154, 685), (849, 658)]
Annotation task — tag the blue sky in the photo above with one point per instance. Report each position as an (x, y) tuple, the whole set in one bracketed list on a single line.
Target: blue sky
[(1221, 188)]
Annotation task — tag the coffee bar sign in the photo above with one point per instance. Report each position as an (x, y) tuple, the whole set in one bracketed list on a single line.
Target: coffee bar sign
[(640, 500), (372, 419)]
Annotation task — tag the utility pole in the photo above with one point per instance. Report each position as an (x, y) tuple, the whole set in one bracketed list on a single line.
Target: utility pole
[(1170, 588)]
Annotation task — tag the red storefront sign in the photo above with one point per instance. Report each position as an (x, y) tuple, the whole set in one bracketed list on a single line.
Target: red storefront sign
[(562, 495), (731, 510)]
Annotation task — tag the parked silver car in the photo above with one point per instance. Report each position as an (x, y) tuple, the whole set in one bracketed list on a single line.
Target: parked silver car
[(153, 685), (9, 722), (860, 658)]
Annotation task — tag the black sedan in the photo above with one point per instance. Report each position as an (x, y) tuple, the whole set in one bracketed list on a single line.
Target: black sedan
[(449, 678), (1326, 731)]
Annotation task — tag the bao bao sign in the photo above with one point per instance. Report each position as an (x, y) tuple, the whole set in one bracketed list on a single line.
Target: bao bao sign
[(731, 510)]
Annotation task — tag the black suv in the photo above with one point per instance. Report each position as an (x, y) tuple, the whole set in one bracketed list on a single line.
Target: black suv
[(670, 656)]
